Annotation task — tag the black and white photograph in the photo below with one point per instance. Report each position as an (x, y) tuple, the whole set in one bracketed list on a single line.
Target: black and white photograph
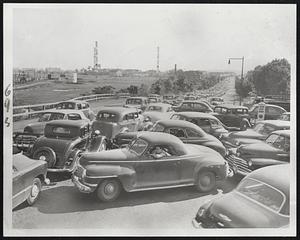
[(149, 119)]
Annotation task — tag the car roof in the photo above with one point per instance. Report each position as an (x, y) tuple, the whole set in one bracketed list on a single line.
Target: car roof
[(161, 138), (231, 106), (68, 123), (160, 104), (277, 176), (118, 110), (197, 115), (74, 101), (277, 123), (179, 123), (137, 97), (65, 111), (270, 105), (285, 133)]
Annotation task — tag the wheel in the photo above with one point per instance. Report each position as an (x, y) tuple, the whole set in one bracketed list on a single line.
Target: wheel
[(108, 190), (46, 154), (206, 181), (35, 191), (244, 126)]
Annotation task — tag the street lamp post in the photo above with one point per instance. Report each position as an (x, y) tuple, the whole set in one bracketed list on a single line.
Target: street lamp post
[(242, 74)]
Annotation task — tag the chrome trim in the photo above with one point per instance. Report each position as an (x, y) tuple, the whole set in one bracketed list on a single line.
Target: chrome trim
[(163, 187), (94, 177), (22, 191)]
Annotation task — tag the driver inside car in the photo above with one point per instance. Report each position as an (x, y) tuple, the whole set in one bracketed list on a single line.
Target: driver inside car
[(158, 152)]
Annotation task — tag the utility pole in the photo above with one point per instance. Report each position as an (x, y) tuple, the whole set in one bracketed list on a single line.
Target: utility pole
[(157, 65)]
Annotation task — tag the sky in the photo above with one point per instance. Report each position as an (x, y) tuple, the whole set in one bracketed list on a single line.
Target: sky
[(195, 37)]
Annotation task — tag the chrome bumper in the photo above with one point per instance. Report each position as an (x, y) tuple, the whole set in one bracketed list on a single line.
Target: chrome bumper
[(238, 165), (81, 187)]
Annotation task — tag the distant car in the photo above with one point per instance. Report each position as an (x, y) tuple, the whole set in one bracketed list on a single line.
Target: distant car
[(28, 177), (158, 111), (77, 105), (55, 114), (272, 112), (259, 132), (170, 99), (152, 161), (285, 116), (190, 97), (63, 142), (193, 106), (185, 131), (233, 116), (216, 101), (112, 120), (136, 102), (261, 200), (154, 98), (207, 122), (274, 150)]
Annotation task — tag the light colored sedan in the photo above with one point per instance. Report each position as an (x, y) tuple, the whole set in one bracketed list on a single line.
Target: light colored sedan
[(158, 111)]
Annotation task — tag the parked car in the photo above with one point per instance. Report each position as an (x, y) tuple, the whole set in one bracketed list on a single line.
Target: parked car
[(28, 177), (272, 112), (50, 115), (207, 122), (112, 120), (77, 105), (259, 132), (190, 97), (63, 142), (157, 111), (285, 116), (154, 98), (216, 101), (184, 130), (274, 150), (152, 161), (261, 200), (233, 116), (170, 99), (136, 102), (193, 106)]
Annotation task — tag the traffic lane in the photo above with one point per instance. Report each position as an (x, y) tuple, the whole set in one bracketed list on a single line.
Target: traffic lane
[(63, 206)]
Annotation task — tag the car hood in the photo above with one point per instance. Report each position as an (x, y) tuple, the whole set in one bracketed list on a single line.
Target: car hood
[(154, 116), (235, 210), (37, 127), (114, 155), (259, 150), (205, 152), (248, 134), (132, 105)]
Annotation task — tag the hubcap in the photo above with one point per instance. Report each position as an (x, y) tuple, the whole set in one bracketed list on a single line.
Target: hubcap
[(205, 180), (109, 188), (34, 191)]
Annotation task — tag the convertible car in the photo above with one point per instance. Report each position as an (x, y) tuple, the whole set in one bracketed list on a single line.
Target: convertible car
[(28, 176), (186, 131), (135, 168), (274, 150), (261, 200)]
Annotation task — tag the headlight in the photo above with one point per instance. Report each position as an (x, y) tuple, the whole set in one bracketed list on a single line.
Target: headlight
[(250, 163), (237, 143)]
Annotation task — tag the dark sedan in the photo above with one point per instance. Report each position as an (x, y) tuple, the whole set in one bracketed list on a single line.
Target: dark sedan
[(261, 200), (259, 132), (184, 130), (193, 106), (28, 176), (274, 150)]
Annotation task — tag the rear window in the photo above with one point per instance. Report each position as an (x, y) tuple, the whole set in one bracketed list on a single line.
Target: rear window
[(134, 101), (66, 105), (74, 116), (106, 116), (154, 108), (61, 130)]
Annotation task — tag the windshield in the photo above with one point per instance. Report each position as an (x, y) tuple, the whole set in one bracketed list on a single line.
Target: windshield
[(262, 193), (157, 128), (134, 101), (138, 146), (263, 129), (106, 116), (51, 116), (154, 109), (279, 142)]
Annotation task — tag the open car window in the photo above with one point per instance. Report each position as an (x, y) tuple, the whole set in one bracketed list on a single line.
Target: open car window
[(160, 152), (177, 132), (106, 116), (138, 146)]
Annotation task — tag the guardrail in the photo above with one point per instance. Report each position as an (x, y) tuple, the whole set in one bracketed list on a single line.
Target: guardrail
[(32, 111)]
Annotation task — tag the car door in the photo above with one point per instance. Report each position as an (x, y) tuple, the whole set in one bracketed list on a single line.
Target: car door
[(18, 186), (152, 173)]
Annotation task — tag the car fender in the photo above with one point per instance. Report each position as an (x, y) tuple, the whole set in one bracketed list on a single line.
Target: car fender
[(246, 120), (207, 165), (219, 147), (126, 175), (96, 143), (265, 161)]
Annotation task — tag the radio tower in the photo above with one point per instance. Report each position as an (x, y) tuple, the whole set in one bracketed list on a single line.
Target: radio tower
[(157, 66), (96, 65)]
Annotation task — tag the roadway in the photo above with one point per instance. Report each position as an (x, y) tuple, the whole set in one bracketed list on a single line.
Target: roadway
[(168, 211)]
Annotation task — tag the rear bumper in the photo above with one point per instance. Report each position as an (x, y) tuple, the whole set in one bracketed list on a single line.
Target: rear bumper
[(83, 187)]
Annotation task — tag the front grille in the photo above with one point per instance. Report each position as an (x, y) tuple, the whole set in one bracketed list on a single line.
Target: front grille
[(25, 141), (239, 163)]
